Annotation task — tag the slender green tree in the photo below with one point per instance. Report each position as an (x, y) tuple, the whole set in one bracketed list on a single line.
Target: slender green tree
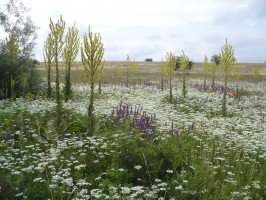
[(213, 70), (57, 32), (69, 55), (227, 62), (169, 69), (184, 64), (48, 62), (92, 51), (205, 70)]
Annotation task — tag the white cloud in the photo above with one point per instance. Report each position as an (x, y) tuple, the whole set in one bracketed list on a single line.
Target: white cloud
[(150, 28)]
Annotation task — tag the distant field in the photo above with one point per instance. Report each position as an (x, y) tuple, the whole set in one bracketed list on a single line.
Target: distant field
[(147, 71)]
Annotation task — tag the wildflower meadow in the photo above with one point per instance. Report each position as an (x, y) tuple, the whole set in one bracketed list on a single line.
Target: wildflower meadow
[(126, 130), (143, 146)]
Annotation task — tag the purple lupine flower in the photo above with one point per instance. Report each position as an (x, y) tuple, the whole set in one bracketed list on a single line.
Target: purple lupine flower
[(140, 120)]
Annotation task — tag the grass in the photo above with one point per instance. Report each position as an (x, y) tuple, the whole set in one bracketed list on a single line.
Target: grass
[(147, 72), (186, 151)]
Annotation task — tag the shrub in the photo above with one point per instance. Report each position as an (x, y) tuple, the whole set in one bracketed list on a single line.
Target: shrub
[(189, 66)]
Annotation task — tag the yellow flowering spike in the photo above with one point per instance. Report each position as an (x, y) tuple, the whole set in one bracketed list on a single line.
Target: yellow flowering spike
[(184, 61), (71, 47), (92, 52)]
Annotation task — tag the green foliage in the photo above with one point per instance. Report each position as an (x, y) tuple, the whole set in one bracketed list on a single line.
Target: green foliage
[(216, 58), (186, 166), (169, 69), (194, 163), (227, 62), (92, 54), (18, 75), (15, 21), (69, 55), (189, 66), (57, 32)]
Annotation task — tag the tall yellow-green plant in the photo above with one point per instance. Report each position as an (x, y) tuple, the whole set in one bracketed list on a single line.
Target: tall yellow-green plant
[(57, 32), (127, 64), (12, 45), (183, 63), (169, 69), (213, 70), (256, 74), (205, 70), (227, 62), (48, 56), (92, 51), (69, 55)]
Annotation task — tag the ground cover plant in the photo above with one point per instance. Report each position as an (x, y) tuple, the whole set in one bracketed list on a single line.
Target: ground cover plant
[(192, 152)]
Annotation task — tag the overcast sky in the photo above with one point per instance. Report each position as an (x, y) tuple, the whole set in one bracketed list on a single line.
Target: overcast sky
[(149, 28)]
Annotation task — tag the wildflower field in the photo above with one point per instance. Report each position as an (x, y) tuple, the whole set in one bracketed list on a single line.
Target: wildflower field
[(143, 148)]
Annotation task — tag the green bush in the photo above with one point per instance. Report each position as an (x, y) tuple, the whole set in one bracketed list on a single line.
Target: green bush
[(23, 72), (189, 66)]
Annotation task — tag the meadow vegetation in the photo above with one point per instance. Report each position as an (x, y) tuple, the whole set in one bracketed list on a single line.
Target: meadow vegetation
[(150, 132)]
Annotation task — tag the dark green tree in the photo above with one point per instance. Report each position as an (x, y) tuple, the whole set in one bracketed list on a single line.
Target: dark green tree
[(216, 58), (19, 76), (189, 66)]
